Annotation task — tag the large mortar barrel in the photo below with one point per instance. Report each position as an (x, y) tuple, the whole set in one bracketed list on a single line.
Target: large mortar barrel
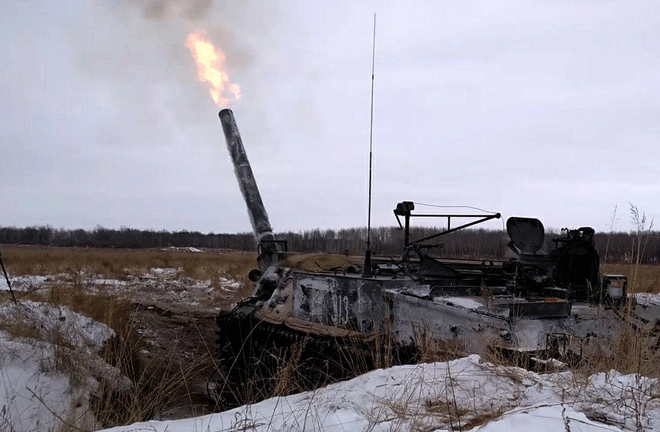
[(246, 181)]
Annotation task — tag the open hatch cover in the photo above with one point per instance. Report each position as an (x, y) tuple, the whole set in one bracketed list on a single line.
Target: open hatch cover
[(527, 234)]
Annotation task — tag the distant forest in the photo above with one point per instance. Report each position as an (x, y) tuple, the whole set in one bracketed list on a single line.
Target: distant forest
[(472, 243)]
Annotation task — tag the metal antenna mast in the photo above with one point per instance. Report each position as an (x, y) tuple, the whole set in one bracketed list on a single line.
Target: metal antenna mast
[(367, 254)]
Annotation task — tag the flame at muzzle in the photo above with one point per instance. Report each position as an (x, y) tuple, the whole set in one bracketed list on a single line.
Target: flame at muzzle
[(245, 177), (211, 69)]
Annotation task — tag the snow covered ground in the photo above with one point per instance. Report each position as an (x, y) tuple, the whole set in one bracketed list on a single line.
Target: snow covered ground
[(465, 394), (48, 374), (49, 355), (162, 286), (38, 394)]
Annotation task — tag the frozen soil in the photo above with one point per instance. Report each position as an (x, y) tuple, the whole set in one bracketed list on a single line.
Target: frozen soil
[(180, 345)]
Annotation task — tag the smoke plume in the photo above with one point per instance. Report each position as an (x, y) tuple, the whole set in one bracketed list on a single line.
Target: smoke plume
[(191, 10)]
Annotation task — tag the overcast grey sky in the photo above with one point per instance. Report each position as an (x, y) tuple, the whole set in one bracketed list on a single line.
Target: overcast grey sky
[(549, 109)]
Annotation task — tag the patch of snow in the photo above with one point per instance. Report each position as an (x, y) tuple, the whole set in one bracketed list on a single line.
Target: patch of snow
[(208, 286), (50, 377), (551, 363), (30, 392), (429, 396), (201, 285), (648, 307), (109, 282), (647, 299), (165, 272), (465, 302), (229, 284), (25, 282), (544, 419), (77, 329)]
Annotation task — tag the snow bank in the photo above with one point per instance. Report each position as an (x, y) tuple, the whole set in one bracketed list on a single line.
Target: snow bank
[(48, 319), (48, 376), (545, 419), (466, 393), (31, 390)]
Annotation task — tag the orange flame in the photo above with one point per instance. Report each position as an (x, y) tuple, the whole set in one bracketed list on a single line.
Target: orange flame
[(210, 64)]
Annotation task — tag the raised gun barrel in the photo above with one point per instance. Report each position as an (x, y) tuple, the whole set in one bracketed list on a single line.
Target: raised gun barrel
[(268, 275), (256, 209)]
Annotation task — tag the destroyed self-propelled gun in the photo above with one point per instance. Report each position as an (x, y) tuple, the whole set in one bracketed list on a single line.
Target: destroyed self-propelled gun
[(537, 305)]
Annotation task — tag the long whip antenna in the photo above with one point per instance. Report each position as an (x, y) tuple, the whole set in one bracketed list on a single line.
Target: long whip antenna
[(367, 255)]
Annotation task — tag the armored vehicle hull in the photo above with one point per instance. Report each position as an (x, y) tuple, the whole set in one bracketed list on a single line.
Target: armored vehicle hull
[(336, 323)]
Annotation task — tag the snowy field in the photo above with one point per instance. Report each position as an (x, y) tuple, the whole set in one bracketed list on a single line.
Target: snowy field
[(464, 394), (44, 387)]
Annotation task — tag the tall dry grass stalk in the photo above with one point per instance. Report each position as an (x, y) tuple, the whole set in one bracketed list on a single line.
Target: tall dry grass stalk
[(642, 232), (156, 385), (636, 346), (312, 362), (613, 221)]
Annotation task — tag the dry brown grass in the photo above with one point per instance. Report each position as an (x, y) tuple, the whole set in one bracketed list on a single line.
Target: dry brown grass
[(301, 368), (156, 385), (429, 348), (632, 351), (118, 263), (646, 276)]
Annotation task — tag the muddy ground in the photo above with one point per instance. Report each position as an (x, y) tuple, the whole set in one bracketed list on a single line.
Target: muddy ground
[(179, 337)]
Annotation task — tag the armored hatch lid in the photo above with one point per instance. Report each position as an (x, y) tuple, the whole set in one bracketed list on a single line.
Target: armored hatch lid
[(527, 234)]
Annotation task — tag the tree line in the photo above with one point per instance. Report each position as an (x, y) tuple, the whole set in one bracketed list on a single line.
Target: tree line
[(468, 243)]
